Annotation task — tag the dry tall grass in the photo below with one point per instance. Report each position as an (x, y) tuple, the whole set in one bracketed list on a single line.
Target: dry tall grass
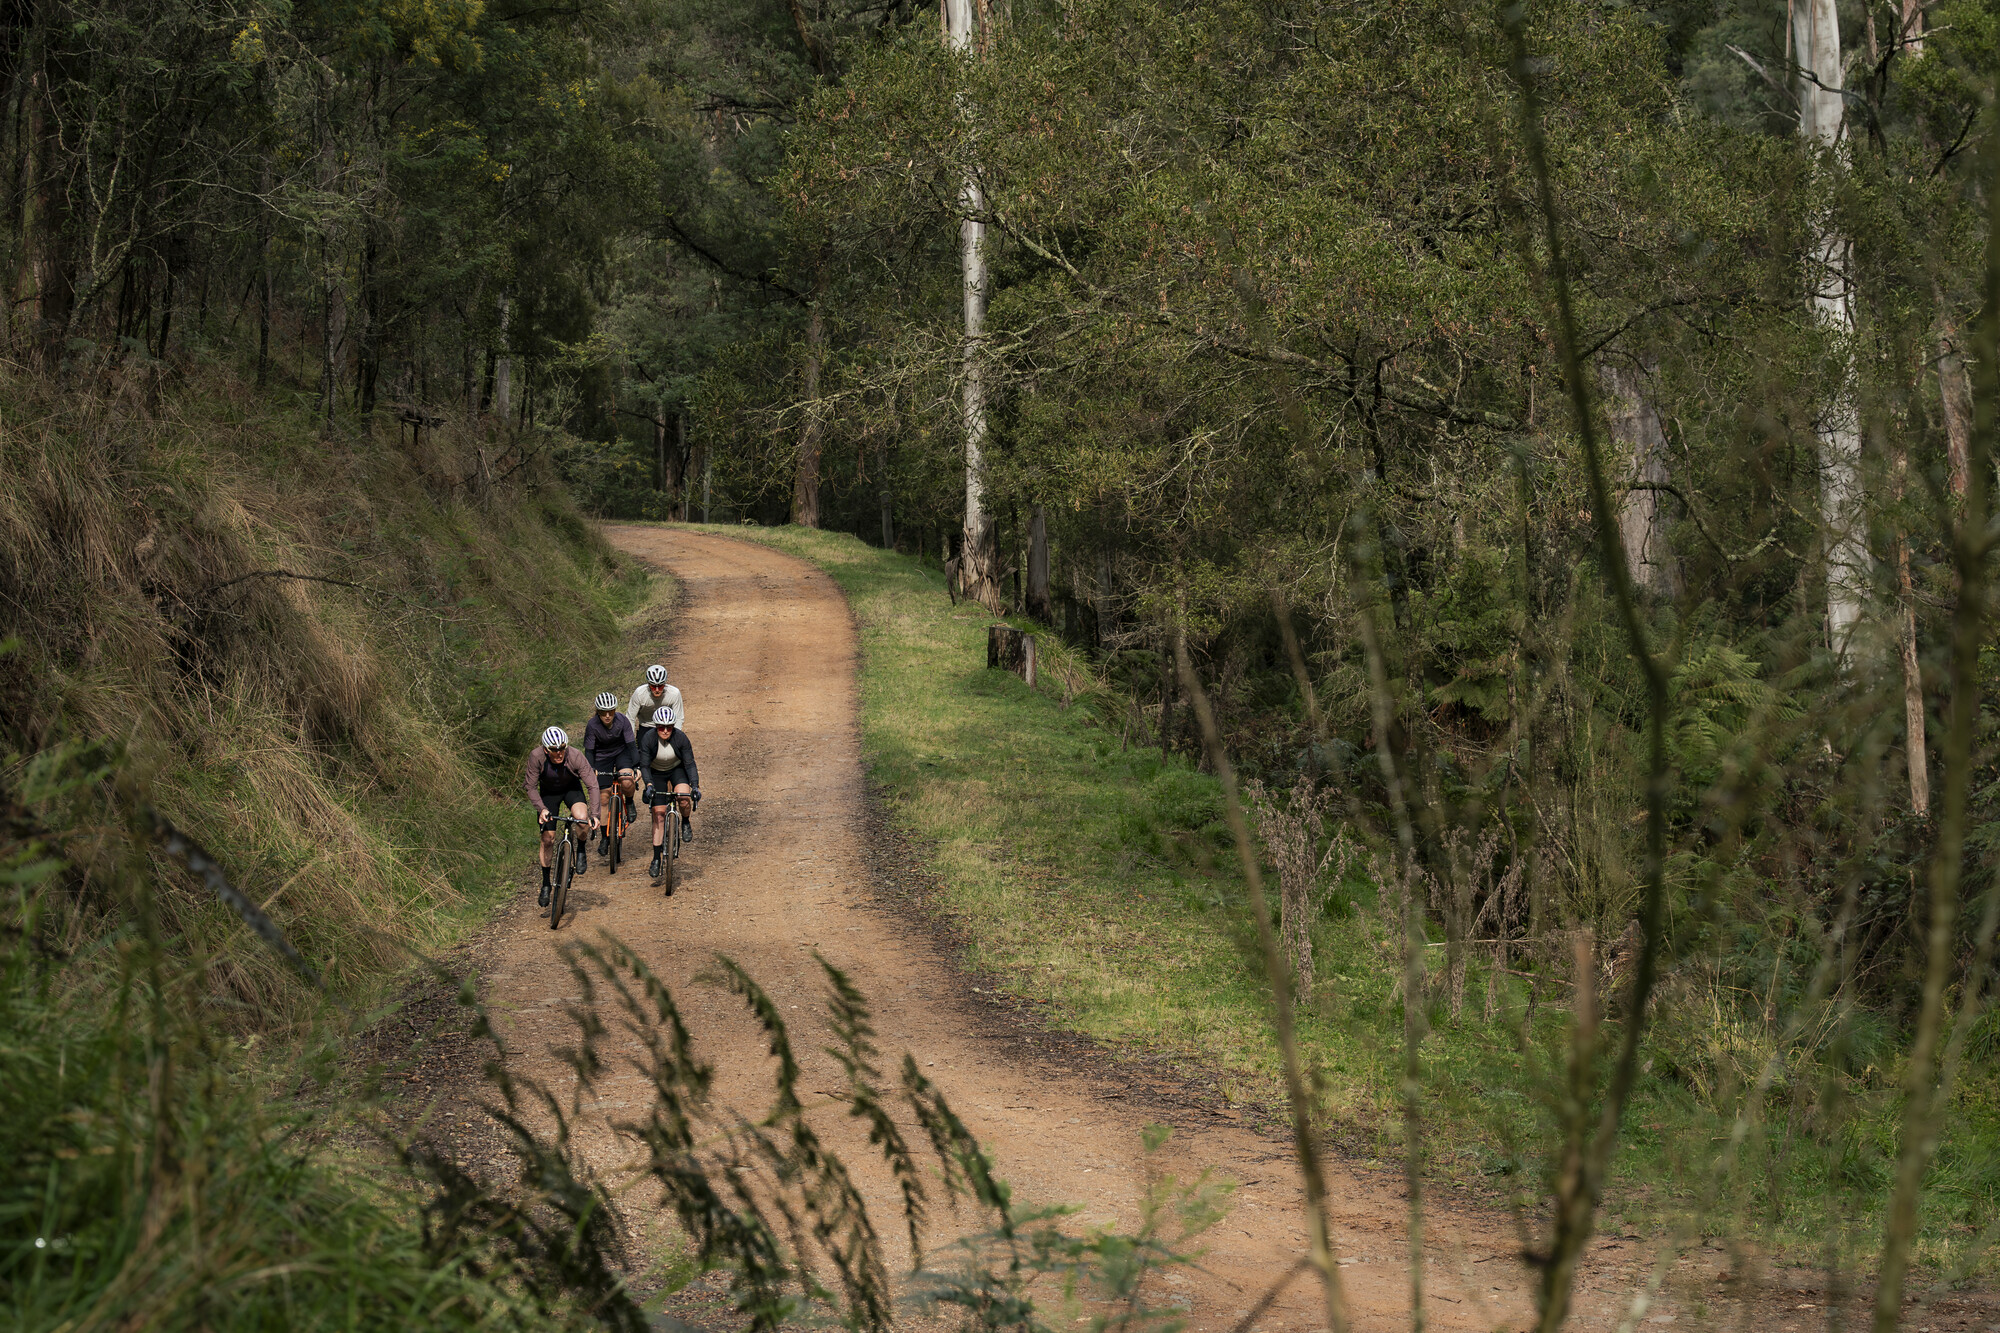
[(312, 653)]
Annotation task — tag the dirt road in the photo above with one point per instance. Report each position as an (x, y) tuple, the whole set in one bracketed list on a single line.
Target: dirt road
[(765, 652)]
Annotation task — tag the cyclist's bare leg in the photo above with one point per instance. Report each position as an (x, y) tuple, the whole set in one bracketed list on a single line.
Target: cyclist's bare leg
[(548, 843)]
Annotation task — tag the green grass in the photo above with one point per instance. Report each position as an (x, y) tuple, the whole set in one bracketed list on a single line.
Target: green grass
[(1099, 879)]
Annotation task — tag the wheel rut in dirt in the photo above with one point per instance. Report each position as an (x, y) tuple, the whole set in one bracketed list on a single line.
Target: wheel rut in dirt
[(765, 652)]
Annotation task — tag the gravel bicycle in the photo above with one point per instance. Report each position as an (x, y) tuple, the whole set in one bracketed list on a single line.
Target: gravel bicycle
[(671, 844), (562, 867), (617, 823)]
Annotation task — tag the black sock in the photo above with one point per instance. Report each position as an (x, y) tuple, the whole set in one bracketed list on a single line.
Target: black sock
[(545, 875)]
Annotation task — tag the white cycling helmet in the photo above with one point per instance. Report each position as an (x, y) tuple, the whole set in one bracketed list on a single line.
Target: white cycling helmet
[(555, 738), (656, 675), (607, 702)]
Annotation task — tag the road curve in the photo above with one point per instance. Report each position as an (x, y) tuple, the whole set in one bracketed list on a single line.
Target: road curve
[(764, 649)]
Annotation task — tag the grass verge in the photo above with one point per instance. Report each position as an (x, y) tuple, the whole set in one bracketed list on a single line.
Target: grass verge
[(1098, 877)]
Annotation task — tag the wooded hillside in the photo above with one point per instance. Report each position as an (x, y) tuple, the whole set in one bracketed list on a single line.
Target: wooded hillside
[(1557, 438)]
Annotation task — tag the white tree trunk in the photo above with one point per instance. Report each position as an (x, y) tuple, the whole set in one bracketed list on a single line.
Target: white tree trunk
[(976, 556), (1642, 521), (1816, 49)]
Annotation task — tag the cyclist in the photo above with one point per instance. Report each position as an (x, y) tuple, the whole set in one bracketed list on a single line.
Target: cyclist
[(557, 778), (652, 695), (612, 748), (667, 759)]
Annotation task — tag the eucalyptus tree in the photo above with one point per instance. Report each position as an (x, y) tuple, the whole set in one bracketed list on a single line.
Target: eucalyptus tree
[(1822, 120), (976, 553)]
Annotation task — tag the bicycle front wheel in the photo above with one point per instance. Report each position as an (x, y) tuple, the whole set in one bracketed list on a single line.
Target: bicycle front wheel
[(616, 823), (560, 876), (670, 850)]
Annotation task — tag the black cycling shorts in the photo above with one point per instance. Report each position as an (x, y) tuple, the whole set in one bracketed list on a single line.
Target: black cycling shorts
[(574, 796), (660, 788)]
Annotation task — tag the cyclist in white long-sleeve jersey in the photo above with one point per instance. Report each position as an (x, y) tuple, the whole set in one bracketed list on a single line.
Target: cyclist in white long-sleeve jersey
[(651, 696)]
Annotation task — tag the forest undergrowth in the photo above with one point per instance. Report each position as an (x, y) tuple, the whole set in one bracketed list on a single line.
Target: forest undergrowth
[(1088, 871), (254, 672)]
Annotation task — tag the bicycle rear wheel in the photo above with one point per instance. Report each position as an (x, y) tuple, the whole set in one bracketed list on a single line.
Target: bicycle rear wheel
[(560, 877)]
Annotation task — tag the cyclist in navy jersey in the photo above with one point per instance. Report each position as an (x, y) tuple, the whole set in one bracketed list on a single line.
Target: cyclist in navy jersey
[(612, 747)]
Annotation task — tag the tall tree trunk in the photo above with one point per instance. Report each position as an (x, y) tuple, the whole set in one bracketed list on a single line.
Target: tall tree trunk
[(46, 228), (976, 556), (1816, 48), (1014, 560), (1916, 753), (1916, 750), (329, 332), (1957, 429), (673, 463), (1100, 606), (328, 177), (659, 453), (882, 468), (503, 365), (166, 314), (1039, 605), (474, 390), (1642, 521), (1955, 397), (1910, 27), (805, 475), (264, 274), (20, 161), (368, 368)]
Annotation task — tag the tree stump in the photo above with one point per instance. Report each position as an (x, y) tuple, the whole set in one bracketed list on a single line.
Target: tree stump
[(1010, 649)]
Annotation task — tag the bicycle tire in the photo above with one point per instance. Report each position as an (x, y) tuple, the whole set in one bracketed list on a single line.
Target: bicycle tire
[(560, 875), (615, 823), (671, 849)]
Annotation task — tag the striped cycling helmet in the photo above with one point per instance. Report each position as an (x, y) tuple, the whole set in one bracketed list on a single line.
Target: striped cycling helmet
[(656, 675), (555, 738), (607, 702)]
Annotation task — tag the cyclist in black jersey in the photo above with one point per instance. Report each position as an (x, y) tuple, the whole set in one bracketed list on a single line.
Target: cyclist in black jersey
[(556, 778), (666, 759)]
